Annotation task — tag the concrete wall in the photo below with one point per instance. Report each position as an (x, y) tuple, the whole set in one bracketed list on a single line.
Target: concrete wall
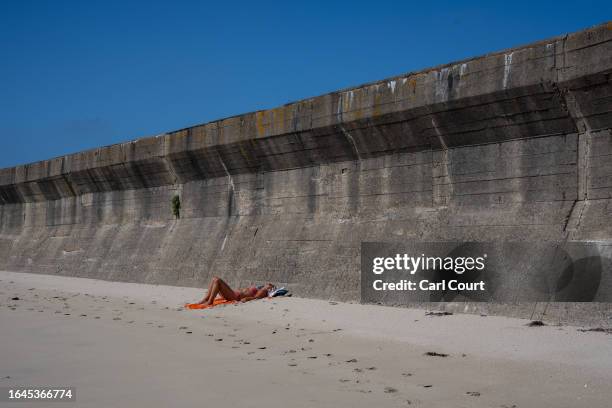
[(515, 145)]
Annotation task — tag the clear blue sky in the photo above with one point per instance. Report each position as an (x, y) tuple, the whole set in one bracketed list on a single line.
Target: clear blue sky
[(76, 75)]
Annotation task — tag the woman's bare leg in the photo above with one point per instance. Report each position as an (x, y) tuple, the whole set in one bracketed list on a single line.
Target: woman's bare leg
[(220, 287), (212, 282)]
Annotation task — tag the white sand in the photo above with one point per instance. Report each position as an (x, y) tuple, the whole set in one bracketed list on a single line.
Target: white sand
[(138, 352)]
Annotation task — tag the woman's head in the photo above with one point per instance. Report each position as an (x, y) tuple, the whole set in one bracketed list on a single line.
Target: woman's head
[(269, 286)]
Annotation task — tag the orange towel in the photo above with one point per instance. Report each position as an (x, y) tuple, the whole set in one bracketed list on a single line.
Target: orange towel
[(216, 302)]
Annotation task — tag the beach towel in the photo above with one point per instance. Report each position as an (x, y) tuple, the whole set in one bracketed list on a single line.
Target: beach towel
[(220, 301), (216, 302)]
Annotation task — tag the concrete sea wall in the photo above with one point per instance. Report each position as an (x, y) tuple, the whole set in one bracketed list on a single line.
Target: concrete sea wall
[(514, 145)]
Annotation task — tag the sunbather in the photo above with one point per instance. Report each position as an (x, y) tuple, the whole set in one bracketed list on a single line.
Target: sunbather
[(219, 287)]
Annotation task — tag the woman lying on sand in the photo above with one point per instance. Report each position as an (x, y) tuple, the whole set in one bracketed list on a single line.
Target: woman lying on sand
[(218, 286)]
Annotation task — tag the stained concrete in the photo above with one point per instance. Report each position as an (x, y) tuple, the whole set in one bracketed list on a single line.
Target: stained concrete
[(514, 145)]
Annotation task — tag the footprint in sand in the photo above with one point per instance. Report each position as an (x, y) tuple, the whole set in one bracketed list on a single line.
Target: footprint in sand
[(473, 393), (435, 354), (352, 360), (390, 390)]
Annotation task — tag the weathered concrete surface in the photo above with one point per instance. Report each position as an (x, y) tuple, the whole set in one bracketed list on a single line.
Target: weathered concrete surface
[(515, 145)]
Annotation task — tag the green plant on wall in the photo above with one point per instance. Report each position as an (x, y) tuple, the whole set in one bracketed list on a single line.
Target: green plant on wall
[(176, 206)]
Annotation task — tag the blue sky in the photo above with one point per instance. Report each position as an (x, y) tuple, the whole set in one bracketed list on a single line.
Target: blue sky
[(76, 75)]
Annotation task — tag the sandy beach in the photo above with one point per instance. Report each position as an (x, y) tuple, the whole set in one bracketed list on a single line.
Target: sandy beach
[(124, 344)]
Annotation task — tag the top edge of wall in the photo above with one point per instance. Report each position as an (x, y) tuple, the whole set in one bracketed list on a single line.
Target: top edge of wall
[(550, 63)]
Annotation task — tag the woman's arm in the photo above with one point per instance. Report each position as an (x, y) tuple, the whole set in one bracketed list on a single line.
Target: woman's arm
[(262, 293)]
